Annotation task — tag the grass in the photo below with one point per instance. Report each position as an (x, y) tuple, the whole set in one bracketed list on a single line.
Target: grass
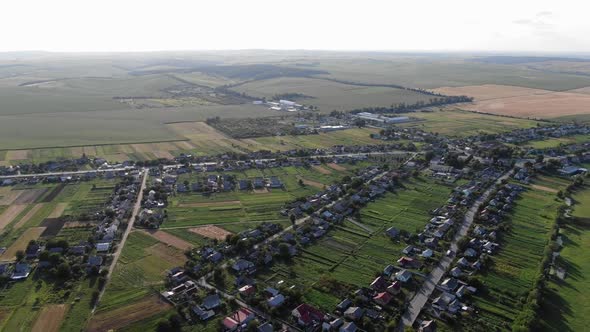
[(140, 268), (515, 267), (351, 255), (556, 142), (565, 306), (464, 123)]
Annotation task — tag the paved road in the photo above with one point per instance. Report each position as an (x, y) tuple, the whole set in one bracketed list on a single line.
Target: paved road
[(432, 279), (16, 176), (121, 244)]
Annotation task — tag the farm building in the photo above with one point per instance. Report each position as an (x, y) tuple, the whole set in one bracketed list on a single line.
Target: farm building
[(377, 119)]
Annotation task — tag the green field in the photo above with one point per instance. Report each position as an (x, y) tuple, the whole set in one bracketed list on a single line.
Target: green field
[(329, 95), (566, 307), (193, 209), (350, 254), (463, 123), (515, 267), (556, 142)]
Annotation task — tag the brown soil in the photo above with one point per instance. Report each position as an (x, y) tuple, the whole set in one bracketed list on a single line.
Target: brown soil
[(322, 170), (311, 183), (124, 316), (22, 242), (29, 215), (58, 210), (10, 213), (211, 231), (522, 102), (9, 196), (169, 239), (336, 167), (29, 196), (547, 189), (50, 318)]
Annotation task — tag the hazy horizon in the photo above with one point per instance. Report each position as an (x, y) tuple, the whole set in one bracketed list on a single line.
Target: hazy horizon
[(381, 26)]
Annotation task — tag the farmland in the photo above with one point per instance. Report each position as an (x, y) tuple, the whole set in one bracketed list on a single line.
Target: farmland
[(329, 95), (556, 142), (566, 308), (350, 254), (190, 210), (455, 122), (515, 267), (521, 102)]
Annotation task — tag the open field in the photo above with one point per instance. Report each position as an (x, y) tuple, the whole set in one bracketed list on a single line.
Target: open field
[(32, 233), (169, 239), (329, 95), (10, 213), (521, 102), (556, 142), (516, 265), (58, 211), (566, 307), (351, 255), (212, 232), (464, 123), (141, 266), (50, 318), (118, 318), (29, 215)]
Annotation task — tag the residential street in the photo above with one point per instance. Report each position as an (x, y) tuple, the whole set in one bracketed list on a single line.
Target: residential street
[(121, 243), (421, 297)]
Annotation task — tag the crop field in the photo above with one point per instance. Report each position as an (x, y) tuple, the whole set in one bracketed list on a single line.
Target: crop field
[(566, 307), (464, 123), (556, 142), (134, 312), (50, 318), (352, 254), (141, 266), (521, 102), (193, 209), (516, 265), (329, 95)]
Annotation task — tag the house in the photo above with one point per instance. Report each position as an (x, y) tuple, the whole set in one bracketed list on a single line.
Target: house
[(443, 301), (307, 315), (77, 250), (403, 275), (21, 271), (379, 283), (382, 298), (33, 251), (456, 272), (392, 232), (408, 250), (94, 261), (243, 266), (348, 327), (469, 252), (407, 262), (427, 253), (388, 270), (202, 314), (238, 319), (463, 262), (354, 313), (449, 284), (247, 291), (395, 287), (244, 184), (258, 183), (275, 182), (276, 301), (336, 323), (103, 246), (211, 302), (427, 326), (343, 305), (266, 327)]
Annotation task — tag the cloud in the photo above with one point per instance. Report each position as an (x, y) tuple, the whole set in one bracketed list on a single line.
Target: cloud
[(544, 14)]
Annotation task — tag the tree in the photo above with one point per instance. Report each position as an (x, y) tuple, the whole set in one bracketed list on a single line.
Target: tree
[(284, 251), (20, 255), (64, 271)]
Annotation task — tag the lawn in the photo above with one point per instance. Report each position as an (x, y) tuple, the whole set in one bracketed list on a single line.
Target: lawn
[(556, 142), (514, 268), (463, 123), (566, 305)]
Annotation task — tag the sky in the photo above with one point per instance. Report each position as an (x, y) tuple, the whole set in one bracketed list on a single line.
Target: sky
[(393, 25)]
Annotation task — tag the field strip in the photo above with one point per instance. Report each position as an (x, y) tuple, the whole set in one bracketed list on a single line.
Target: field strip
[(212, 232), (9, 196), (169, 239), (209, 204), (58, 210), (10, 213), (322, 170), (547, 189), (336, 167), (50, 318), (310, 182), (29, 215), (22, 242), (129, 314)]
